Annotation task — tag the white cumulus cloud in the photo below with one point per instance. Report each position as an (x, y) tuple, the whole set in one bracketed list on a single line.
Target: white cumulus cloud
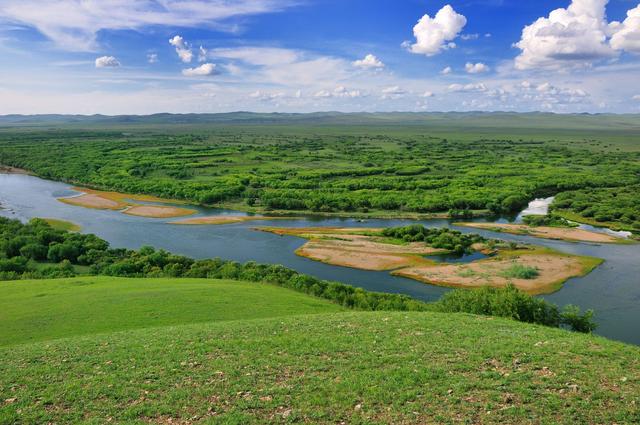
[(107, 62), (182, 48), (203, 70), (369, 62), (627, 33), (436, 34), (152, 58), (446, 71), (476, 68), (577, 36)]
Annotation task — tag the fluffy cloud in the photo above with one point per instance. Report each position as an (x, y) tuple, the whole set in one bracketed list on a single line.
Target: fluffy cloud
[(182, 48), (446, 71), (476, 68), (107, 62), (427, 94), (152, 58), (339, 92), (266, 97), (393, 92), (627, 34), (577, 36), (478, 87), (203, 70), (73, 24), (369, 62), (436, 34), (636, 97)]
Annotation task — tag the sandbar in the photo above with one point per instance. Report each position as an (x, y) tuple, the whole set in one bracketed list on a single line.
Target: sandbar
[(570, 234), (553, 269), (155, 211), (354, 248)]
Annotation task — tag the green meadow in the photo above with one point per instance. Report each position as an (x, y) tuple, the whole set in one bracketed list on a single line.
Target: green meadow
[(112, 350)]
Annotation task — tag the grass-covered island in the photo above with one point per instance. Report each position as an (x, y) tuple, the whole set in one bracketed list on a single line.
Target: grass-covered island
[(146, 336), (408, 251)]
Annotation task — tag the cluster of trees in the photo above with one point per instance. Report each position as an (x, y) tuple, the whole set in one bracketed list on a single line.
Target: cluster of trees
[(619, 205), (300, 171), (515, 304), (441, 238), (16, 262), (37, 250), (551, 220)]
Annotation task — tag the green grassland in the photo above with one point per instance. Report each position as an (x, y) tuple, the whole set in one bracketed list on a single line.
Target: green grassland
[(386, 165), (34, 310), (239, 353), (62, 224)]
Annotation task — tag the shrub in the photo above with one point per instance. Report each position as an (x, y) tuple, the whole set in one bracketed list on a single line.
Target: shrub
[(503, 302), (519, 271)]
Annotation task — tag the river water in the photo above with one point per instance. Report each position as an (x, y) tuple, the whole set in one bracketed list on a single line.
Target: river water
[(613, 289)]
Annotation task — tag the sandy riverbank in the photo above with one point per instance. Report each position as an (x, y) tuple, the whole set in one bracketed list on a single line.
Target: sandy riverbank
[(570, 234), (126, 203)]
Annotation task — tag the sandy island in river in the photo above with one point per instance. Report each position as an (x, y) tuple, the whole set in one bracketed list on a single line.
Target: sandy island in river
[(366, 249), (570, 234), (125, 202), (355, 248), (553, 269)]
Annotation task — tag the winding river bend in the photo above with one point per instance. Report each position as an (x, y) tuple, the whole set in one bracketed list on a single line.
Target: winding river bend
[(613, 289)]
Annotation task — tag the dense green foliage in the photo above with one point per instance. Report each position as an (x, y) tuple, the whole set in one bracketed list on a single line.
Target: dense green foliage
[(552, 220), (441, 238), (355, 367), (89, 250), (324, 169), (512, 303), (35, 310), (619, 206)]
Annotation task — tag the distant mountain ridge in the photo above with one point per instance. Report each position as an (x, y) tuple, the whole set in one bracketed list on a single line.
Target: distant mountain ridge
[(480, 119)]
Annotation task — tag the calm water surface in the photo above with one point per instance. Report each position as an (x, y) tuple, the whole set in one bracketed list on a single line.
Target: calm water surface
[(613, 289)]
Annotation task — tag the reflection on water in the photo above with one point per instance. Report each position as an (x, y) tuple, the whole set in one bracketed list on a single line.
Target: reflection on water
[(613, 289)]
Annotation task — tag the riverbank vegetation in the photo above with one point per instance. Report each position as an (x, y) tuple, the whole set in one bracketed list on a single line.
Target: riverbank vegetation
[(345, 170), (35, 250)]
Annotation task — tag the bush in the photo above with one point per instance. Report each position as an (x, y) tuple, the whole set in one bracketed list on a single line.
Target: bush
[(572, 318), (507, 302), (519, 271)]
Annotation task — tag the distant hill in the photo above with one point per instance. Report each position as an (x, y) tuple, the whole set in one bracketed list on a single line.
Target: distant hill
[(470, 119)]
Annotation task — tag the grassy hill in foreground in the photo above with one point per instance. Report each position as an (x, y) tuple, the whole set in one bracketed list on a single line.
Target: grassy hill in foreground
[(47, 309), (357, 367)]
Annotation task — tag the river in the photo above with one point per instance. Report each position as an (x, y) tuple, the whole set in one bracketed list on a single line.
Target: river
[(613, 289)]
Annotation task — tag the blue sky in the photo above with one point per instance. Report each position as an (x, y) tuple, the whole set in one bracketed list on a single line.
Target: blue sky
[(147, 56)]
